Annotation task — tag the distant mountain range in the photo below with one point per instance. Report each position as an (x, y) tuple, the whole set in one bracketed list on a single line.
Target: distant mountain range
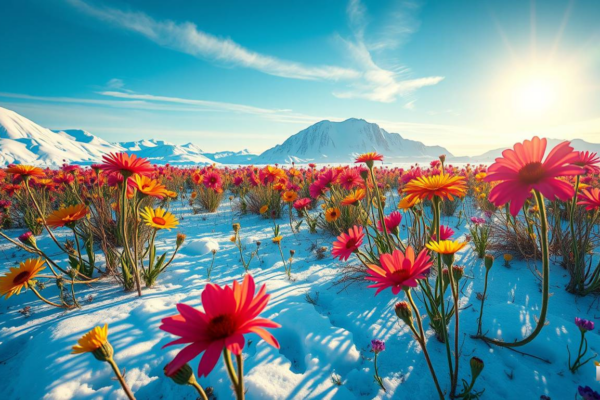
[(24, 141), (341, 142)]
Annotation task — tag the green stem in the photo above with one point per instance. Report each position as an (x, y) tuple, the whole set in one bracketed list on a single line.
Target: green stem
[(545, 280), (200, 391), (126, 389)]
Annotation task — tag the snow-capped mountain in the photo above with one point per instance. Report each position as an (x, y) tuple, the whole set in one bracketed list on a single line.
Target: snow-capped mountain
[(490, 156), (162, 152), (340, 142), (24, 141), (232, 157)]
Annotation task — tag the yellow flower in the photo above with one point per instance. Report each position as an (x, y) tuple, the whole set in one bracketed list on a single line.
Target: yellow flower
[(508, 257), (264, 209), (159, 218), (232, 239), (480, 176), (446, 246), (18, 278), (332, 214), (95, 342), (277, 239)]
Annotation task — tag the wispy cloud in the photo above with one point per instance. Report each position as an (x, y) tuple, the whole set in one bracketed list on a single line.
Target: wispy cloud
[(187, 38), (378, 84), (365, 79), (149, 102)]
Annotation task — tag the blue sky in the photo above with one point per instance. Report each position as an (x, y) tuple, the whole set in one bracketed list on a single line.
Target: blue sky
[(467, 75)]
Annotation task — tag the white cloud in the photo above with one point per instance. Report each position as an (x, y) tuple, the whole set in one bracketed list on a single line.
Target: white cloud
[(410, 105), (378, 84), (115, 83), (367, 80), (187, 38)]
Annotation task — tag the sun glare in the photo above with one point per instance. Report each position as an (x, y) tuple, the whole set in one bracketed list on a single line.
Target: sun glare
[(537, 94)]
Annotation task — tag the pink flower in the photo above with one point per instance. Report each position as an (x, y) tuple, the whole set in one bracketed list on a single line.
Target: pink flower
[(445, 232), (317, 189), (350, 178), (212, 180), (392, 222), (399, 270), (302, 203), (348, 243), (521, 170), (229, 314)]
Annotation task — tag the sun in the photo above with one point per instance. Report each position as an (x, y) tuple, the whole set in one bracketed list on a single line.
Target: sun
[(536, 94)]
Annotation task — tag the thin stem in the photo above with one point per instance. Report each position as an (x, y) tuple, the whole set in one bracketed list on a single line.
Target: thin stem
[(44, 300), (200, 391), (545, 280), (229, 366), (126, 389), (421, 340), (240, 392)]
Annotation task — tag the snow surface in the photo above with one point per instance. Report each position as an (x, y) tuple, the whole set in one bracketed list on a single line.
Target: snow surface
[(317, 341)]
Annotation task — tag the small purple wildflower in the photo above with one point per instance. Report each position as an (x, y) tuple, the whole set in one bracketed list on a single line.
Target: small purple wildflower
[(587, 393), (377, 346), (584, 325)]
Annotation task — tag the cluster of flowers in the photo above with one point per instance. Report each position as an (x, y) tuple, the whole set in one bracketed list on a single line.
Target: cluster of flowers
[(123, 203)]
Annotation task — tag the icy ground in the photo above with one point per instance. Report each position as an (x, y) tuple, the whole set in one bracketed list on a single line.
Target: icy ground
[(318, 341)]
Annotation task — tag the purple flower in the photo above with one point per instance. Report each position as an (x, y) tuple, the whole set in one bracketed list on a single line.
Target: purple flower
[(584, 325), (377, 346), (587, 393), (477, 220), (488, 214)]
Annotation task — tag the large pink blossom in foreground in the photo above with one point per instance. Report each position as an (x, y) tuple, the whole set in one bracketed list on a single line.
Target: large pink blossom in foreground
[(399, 270), (523, 169), (229, 313)]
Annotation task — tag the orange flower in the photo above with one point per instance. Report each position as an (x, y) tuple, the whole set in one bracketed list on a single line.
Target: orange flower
[(332, 214), (67, 216), (354, 197), (149, 187), (18, 278), (369, 158), (289, 196), (443, 186), (26, 171), (407, 203)]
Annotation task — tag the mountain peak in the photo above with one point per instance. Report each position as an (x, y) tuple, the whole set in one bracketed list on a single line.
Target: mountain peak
[(328, 141)]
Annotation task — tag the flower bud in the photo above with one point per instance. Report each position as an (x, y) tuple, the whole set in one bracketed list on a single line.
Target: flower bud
[(476, 367), (292, 252), (183, 376), (489, 261), (104, 352), (364, 174), (180, 239), (236, 227), (28, 239), (443, 158), (457, 273), (448, 259), (404, 312)]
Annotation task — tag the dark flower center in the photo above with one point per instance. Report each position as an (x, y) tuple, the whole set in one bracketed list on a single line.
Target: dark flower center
[(532, 173), (351, 243), (221, 327), (401, 275), (21, 278)]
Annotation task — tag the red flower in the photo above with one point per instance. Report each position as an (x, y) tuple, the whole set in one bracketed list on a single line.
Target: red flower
[(521, 170), (350, 178), (229, 314), (392, 222), (590, 198), (445, 233), (588, 161), (398, 270), (348, 243), (303, 203), (126, 165), (317, 189), (212, 180)]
